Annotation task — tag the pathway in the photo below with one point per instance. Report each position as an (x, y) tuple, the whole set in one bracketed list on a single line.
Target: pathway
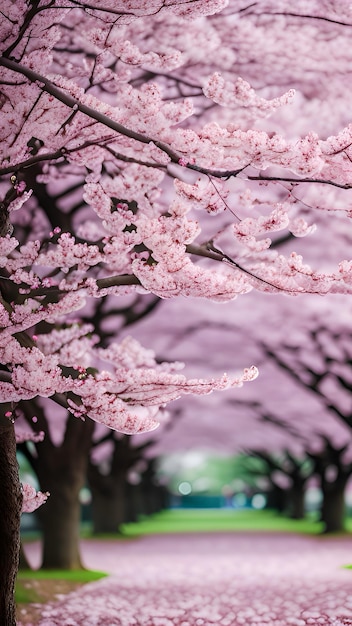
[(226, 579)]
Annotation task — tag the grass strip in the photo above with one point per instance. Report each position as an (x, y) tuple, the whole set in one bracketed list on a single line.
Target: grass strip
[(220, 520), (36, 586), (78, 576)]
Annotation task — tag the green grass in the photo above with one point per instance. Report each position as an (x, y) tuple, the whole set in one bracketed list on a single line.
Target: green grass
[(23, 594), (212, 520), (77, 576), (29, 584)]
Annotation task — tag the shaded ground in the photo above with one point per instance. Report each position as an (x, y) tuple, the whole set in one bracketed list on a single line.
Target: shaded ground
[(229, 579), (45, 591)]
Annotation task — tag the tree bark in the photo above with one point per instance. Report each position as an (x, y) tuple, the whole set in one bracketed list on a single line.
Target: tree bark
[(60, 521), (133, 502), (108, 502), (62, 470), (295, 500), (333, 505), (153, 499), (10, 515), (109, 490), (276, 498)]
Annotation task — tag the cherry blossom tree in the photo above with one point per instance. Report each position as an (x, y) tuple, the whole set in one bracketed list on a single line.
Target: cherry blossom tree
[(320, 363), (284, 478), (301, 400), (288, 478), (334, 471), (123, 114)]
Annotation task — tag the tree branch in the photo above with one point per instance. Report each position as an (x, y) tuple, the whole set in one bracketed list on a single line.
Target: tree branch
[(49, 87), (284, 179), (305, 15)]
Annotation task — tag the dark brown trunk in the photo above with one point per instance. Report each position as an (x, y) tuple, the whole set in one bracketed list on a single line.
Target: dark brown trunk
[(296, 501), (133, 502), (61, 470), (10, 514), (108, 503), (333, 505), (152, 502), (60, 521), (276, 498), (110, 490)]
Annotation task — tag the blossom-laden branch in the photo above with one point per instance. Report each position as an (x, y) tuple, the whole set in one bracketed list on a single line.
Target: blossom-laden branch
[(305, 158), (127, 397)]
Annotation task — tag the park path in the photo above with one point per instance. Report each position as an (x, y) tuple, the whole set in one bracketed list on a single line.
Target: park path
[(226, 579)]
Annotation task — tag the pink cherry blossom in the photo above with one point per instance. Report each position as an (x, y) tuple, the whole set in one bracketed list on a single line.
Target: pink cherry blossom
[(240, 94), (32, 499)]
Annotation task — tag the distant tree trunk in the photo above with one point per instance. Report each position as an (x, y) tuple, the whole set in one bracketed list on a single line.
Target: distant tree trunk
[(164, 496), (110, 488), (152, 494), (158, 498), (10, 514), (333, 505), (133, 502), (295, 500), (108, 501), (276, 498)]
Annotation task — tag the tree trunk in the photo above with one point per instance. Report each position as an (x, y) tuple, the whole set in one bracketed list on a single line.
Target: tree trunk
[(142, 501), (164, 498), (108, 502), (10, 515), (295, 501), (152, 501), (62, 470), (110, 490), (133, 505), (276, 498), (333, 505), (60, 521)]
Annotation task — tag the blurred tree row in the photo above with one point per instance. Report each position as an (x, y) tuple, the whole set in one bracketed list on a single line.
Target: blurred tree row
[(121, 470), (242, 41), (285, 480)]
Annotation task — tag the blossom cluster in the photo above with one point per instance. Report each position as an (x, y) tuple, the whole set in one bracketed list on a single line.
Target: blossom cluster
[(241, 94), (32, 499), (126, 397)]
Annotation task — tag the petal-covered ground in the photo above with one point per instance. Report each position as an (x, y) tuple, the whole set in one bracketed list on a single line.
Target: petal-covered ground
[(228, 579)]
